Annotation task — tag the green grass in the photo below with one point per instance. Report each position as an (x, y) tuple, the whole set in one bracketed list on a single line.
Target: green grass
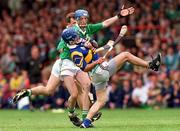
[(112, 120)]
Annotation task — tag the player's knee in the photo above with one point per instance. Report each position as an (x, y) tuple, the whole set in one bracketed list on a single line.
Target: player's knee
[(74, 95), (86, 87), (49, 91), (126, 55)]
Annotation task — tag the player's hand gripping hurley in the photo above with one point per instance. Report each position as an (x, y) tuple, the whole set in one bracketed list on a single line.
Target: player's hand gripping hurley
[(111, 44)]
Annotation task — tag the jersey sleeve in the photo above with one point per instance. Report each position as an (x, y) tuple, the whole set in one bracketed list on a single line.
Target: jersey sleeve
[(79, 60), (94, 28)]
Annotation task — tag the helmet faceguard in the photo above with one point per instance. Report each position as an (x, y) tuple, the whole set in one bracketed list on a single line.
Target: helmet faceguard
[(82, 17)]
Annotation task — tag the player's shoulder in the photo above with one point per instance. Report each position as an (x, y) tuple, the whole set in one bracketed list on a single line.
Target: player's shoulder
[(61, 41)]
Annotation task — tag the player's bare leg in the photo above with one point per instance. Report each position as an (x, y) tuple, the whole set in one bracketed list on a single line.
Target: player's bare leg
[(73, 90), (85, 83), (100, 102), (80, 100), (80, 95), (128, 57), (49, 89)]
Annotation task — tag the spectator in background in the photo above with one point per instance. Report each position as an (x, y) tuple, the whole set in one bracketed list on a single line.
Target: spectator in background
[(34, 66), (8, 61), (140, 94), (154, 93), (115, 96), (176, 94), (22, 51), (167, 93), (43, 49), (171, 59), (127, 94), (16, 81), (60, 97)]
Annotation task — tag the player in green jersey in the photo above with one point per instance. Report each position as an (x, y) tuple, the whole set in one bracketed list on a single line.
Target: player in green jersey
[(60, 72), (86, 31)]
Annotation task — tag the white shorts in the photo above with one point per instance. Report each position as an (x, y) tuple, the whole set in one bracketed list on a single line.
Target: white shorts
[(101, 75), (64, 68)]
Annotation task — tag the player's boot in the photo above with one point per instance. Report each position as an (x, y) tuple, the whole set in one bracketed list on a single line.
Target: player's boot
[(20, 95), (155, 63), (86, 124), (96, 117), (74, 119)]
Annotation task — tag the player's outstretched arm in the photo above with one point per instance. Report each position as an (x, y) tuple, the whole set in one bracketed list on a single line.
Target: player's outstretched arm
[(123, 12), (111, 43)]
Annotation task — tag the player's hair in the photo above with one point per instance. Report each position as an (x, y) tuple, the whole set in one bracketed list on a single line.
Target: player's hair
[(69, 16)]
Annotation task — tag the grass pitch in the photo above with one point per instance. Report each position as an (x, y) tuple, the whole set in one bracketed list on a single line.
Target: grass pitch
[(112, 120)]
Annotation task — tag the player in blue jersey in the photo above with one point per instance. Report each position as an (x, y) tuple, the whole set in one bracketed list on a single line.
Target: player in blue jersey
[(82, 54)]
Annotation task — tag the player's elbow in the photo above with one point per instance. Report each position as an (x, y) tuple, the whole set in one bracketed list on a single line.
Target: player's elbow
[(109, 21), (105, 24)]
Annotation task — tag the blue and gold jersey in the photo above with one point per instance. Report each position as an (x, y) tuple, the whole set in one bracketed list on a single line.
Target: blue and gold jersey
[(82, 56)]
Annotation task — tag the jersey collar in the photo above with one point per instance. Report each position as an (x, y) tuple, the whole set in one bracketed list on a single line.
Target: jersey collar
[(83, 32)]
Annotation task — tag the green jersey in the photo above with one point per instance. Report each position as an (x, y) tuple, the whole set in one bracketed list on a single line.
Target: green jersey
[(89, 31)]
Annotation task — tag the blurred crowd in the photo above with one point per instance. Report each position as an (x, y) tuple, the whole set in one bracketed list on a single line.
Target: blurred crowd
[(30, 29)]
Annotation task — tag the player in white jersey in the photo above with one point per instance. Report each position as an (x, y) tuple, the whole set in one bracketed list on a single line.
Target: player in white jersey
[(101, 70)]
